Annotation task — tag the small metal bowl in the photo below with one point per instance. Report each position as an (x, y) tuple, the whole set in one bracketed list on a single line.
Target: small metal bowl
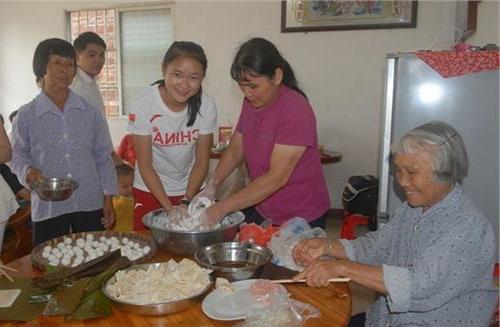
[(233, 260), (153, 309), (54, 188)]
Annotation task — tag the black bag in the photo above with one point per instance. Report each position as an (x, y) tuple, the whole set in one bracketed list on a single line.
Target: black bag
[(360, 195)]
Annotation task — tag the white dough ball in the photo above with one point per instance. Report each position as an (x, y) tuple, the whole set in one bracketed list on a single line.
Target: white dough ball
[(54, 262), (80, 242)]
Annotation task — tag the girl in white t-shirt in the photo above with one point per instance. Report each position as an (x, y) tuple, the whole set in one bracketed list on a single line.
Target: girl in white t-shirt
[(172, 124)]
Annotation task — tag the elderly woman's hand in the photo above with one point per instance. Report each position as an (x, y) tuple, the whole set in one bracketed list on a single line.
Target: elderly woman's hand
[(308, 250), (108, 219), (319, 272), (33, 174)]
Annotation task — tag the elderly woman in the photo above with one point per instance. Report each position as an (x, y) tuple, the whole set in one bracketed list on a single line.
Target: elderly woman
[(59, 134), (432, 263)]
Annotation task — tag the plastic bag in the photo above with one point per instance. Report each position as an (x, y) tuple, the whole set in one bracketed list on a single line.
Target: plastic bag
[(276, 308), (291, 233)]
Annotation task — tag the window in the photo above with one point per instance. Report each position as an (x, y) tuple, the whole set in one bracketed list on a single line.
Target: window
[(136, 41)]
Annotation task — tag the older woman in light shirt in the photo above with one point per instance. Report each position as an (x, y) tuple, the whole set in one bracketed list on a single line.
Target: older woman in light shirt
[(58, 134), (432, 263)]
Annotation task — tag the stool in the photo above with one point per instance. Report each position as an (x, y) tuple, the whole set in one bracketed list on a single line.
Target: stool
[(351, 220)]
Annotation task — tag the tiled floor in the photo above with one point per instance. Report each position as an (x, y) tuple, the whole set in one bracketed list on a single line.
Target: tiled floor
[(362, 297)]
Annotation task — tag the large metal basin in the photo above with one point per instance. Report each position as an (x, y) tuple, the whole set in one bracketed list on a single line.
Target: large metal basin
[(186, 243), (154, 309)]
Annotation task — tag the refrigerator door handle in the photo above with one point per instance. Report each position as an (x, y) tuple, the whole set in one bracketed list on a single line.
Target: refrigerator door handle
[(384, 160)]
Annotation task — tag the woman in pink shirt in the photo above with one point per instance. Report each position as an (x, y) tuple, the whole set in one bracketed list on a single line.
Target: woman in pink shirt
[(276, 135)]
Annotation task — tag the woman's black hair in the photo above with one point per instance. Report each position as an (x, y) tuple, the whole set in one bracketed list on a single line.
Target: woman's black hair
[(258, 56), (49, 47), (192, 50)]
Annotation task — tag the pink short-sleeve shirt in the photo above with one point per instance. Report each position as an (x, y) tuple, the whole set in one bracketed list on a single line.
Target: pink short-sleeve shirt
[(289, 120)]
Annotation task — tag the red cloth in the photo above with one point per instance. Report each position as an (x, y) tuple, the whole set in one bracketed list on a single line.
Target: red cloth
[(126, 149), (146, 202), (456, 63)]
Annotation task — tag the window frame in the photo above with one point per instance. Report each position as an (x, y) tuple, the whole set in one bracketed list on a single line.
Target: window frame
[(119, 8)]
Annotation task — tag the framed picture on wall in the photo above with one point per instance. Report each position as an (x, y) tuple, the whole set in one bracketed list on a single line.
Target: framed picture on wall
[(328, 15)]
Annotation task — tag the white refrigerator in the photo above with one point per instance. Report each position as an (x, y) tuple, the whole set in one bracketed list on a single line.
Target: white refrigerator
[(415, 93)]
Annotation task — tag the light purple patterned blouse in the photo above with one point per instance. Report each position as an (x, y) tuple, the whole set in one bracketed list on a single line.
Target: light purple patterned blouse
[(437, 265), (73, 142)]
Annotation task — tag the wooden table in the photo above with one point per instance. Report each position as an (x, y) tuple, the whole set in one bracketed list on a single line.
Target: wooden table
[(334, 303)]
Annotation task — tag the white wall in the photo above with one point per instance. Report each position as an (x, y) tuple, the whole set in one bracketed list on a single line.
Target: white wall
[(341, 71)]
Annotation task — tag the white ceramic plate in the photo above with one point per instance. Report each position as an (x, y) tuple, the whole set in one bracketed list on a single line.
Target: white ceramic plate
[(221, 305)]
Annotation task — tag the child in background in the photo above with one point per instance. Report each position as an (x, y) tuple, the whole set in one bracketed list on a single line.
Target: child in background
[(123, 203)]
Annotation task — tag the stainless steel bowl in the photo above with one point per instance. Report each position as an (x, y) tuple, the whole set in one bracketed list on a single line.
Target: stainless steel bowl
[(154, 309), (186, 243), (54, 188), (233, 260)]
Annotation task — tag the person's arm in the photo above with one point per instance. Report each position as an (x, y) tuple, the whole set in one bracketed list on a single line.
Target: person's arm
[(5, 148), (318, 273), (200, 167), (144, 152), (24, 194), (309, 250), (10, 178), (108, 219), (284, 159)]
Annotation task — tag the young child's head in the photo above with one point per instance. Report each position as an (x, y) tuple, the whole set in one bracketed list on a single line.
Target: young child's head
[(90, 53), (125, 179)]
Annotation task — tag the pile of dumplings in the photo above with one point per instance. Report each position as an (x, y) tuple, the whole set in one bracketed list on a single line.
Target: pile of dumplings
[(71, 253)]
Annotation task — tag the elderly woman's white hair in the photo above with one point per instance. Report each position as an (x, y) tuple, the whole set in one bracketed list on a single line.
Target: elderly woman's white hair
[(443, 143)]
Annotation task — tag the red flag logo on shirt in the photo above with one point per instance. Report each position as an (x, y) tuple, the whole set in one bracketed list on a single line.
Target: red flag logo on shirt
[(131, 118)]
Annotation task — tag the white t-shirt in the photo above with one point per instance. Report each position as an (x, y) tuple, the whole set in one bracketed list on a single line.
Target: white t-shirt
[(86, 87), (173, 141)]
